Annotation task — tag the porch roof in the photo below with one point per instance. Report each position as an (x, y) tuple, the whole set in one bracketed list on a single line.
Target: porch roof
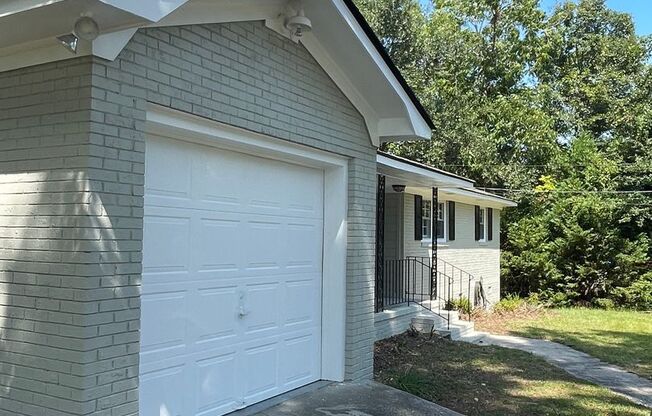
[(419, 177)]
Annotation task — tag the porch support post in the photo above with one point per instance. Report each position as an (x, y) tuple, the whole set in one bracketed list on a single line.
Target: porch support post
[(380, 243), (433, 260)]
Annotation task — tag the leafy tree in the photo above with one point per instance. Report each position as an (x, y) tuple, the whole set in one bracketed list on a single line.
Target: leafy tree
[(557, 107)]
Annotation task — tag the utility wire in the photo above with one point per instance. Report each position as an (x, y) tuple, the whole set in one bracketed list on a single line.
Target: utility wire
[(563, 191)]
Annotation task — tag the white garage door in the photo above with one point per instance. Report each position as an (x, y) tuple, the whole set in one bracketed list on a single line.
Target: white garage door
[(232, 272)]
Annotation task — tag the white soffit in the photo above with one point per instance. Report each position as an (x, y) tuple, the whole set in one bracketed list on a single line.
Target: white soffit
[(477, 197), (358, 69), (409, 174)]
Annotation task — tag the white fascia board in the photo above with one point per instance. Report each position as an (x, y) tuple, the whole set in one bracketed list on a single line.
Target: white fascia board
[(9, 7), (344, 84), (420, 175), (419, 126), (38, 52), (477, 197)]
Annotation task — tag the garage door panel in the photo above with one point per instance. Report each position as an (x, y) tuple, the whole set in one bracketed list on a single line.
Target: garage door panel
[(302, 302), (303, 246), (214, 313), (216, 245), (232, 271), (216, 392), (297, 368), (159, 391), (167, 237), (163, 324), (168, 169), (260, 372), (262, 310)]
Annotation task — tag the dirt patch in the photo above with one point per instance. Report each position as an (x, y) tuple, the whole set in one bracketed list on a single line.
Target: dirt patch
[(500, 323)]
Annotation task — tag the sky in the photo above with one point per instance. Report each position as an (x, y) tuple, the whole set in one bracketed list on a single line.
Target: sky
[(641, 10)]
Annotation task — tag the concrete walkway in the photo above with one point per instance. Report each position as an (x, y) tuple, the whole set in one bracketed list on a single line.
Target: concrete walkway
[(577, 363), (353, 399)]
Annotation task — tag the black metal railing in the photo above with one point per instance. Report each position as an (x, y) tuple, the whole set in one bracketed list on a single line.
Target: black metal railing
[(409, 280), (405, 281)]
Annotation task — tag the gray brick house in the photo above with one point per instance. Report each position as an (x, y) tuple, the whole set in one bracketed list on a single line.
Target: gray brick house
[(188, 201)]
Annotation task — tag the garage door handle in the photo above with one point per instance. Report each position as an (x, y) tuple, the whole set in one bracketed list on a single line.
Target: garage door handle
[(243, 312)]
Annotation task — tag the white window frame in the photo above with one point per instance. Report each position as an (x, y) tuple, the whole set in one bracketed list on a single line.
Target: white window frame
[(426, 217), (427, 238), (443, 209), (483, 225)]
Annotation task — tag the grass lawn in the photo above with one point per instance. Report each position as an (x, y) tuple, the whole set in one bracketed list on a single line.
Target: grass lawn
[(623, 338), (476, 380)]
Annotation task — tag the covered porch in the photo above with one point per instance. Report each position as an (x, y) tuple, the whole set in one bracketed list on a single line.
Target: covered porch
[(437, 239)]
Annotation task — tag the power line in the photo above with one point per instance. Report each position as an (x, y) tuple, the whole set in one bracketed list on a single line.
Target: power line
[(565, 191)]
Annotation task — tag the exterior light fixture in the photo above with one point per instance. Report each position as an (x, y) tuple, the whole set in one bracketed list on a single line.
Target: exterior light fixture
[(86, 28), (398, 188), (69, 41), (298, 24)]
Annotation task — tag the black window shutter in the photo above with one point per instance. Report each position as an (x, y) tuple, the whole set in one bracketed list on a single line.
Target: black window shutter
[(418, 217), (490, 224), (451, 220), (477, 223)]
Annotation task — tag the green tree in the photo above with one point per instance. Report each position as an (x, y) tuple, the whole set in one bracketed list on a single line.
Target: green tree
[(557, 107)]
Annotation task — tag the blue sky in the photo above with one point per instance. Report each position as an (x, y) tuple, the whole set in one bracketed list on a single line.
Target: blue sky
[(641, 10)]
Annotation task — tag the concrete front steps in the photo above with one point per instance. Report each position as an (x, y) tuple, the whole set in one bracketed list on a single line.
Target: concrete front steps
[(454, 328)]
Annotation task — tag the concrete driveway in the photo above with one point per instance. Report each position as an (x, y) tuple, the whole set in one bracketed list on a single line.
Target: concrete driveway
[(347, 399)]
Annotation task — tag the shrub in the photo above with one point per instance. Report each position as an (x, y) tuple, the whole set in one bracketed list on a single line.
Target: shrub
[(509, 303), (461, 304), (636, 296), (603, 303)]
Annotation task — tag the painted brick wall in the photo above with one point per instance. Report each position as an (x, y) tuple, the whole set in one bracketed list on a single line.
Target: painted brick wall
[(481, 259), (71, 199), (54, 314)]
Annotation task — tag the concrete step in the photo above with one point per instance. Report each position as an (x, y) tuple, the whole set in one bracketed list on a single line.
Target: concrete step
[(457, 331), (428, 321)]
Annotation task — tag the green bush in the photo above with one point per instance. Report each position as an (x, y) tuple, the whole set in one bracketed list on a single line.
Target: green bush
[(509, 303), (461, 304), (603, 303), (636, 296)]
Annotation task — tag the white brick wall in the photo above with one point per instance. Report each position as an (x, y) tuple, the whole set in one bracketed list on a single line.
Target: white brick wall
[(71, 199), (481, 259)]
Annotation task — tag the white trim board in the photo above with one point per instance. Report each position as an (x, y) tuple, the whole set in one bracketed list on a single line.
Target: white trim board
[(166, 122)]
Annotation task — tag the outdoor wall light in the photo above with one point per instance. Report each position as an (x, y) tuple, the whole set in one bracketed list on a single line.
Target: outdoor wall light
[(85, 28), (69, 41), (398, 188), (298, 24)]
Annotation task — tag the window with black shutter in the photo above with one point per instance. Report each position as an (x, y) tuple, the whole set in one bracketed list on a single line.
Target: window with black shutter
[(451, 220), (490, 224), (418, 217)]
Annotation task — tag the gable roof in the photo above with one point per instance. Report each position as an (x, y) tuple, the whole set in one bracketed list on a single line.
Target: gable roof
[(388, 60), (341, 41)]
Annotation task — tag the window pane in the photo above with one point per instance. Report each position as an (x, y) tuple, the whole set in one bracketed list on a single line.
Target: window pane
[(426, 219), (440, 229), (440, 221), (482, 211)]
